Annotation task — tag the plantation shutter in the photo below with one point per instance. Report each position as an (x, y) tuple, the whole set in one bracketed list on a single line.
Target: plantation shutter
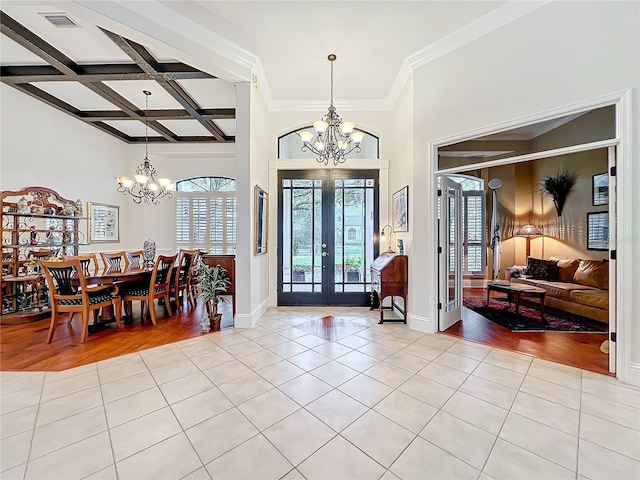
[(473, 232), (206, 221)]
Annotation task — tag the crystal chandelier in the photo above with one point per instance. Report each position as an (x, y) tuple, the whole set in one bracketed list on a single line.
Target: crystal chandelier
[(147, 186), (335, 139)]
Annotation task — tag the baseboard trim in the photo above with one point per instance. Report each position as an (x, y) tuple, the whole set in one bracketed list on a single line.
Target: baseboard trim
[(632, 375), (421, 324), (244, 320)]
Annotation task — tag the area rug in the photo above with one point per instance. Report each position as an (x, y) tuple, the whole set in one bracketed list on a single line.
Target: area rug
[(331, 328), (528, 320)]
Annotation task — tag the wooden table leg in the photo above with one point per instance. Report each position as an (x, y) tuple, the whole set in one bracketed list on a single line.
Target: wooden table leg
[(517, 298), (488, 294), (542, 308)]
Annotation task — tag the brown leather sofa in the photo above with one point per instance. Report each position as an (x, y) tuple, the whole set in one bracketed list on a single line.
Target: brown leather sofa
[(581, 288)]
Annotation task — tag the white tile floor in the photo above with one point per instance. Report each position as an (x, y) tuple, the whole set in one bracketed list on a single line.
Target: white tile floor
[(273, 402)]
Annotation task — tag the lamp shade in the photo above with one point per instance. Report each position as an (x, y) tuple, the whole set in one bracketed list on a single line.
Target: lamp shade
[(528, 231)]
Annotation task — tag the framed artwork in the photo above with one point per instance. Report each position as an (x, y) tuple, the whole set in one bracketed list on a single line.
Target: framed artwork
[(261, 224), (598, 231), (400, 218), (104, 223), (600, 189)]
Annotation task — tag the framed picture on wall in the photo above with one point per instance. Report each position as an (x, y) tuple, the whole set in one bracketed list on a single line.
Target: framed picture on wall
[(400, 205), (600, 189), (104, 223), (261, 213), (598, 231)]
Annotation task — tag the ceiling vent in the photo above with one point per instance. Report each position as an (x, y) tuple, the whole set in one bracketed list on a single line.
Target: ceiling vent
[(60, 20)]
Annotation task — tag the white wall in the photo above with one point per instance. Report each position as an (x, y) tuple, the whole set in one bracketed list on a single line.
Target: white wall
[(259, 175), (177, 162), (561, 54), (41, 146)]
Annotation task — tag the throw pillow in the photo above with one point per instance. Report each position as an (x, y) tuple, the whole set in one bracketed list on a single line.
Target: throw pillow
[(540, 269), (593, 273), (566, 268)]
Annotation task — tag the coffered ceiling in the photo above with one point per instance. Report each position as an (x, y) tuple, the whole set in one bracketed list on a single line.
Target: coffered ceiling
[(104, 88)]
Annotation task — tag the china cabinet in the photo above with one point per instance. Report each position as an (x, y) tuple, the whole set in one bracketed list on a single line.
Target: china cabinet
[(37, 223)]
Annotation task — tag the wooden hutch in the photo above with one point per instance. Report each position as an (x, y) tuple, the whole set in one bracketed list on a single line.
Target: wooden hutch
[(37, 223)]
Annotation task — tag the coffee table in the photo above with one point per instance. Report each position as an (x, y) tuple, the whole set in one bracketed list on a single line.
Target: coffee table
[(515, 291)]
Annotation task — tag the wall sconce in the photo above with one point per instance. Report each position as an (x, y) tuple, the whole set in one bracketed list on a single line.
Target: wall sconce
[(383, 237)]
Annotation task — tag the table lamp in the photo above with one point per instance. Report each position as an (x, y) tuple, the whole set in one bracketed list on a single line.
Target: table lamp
[(383, 237), (528, 231)]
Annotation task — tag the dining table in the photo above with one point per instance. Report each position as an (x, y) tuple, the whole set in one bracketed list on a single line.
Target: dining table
[(109, 276)]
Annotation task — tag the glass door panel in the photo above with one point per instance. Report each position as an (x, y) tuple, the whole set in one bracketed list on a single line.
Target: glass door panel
[(326, 225)]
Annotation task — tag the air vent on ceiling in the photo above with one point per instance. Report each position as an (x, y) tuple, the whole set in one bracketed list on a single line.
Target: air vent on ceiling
[(60, 20)]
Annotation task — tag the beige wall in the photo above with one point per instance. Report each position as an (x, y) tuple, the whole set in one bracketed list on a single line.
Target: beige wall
[(521, 203)]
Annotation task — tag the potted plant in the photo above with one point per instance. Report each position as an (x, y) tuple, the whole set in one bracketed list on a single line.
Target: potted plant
[(298, 274), (353, 265), (557, 186), (213, 282)]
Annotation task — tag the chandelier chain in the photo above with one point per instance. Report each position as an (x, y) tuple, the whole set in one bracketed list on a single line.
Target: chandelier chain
[(146, 123), (146, 187), (332, 83), (334, 139)]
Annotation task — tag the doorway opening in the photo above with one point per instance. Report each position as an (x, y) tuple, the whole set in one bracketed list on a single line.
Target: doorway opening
[(572, 238), (327, 220)]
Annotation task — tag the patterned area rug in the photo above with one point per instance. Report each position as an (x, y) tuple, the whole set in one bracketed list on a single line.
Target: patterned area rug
[(331, 328), (498, 311)]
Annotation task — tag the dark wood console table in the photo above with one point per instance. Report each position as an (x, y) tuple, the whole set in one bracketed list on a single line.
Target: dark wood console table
[(389, 278), (228, 262)]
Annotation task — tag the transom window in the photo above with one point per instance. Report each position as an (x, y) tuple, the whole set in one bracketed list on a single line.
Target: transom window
[(290, 146), (206, 214)]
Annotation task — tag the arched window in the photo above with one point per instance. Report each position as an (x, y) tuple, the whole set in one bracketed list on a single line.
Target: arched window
[(290, 146), (206, 214), (351, 234)]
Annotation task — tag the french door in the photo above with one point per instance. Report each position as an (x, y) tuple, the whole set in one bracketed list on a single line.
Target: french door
[(327, 225), (451, 253)]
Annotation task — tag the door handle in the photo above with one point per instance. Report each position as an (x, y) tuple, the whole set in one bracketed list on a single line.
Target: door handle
[(325, 254)]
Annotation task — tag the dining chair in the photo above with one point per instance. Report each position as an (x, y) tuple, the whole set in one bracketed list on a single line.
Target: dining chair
[(44, 253), (114, 261), (134, 259), (180, 282), (194, 283), (85, 261), (158, 287), (70, 293)]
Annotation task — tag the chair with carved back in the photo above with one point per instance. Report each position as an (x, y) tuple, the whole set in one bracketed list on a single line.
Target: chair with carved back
[(114, 261), (194, 283), (181, 281), (44, 253), (70, 293), (134, 259), (85, 260), (158, 287)]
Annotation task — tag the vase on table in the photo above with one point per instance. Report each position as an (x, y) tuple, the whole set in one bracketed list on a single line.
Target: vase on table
[(149, 252)]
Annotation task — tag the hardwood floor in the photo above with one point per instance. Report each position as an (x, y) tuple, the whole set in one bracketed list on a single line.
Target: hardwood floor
[(23, 347), (581, 350)]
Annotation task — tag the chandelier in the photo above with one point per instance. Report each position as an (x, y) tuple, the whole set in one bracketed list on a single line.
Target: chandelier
[(335, 139), (147, 186)]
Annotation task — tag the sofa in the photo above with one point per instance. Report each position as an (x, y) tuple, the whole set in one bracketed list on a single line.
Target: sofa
[(576, 286)]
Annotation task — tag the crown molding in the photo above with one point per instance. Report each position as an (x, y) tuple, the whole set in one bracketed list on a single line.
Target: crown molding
[(473, 30)]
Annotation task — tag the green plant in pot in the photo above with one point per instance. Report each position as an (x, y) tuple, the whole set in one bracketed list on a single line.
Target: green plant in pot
[(557, 186), (353, 265), (213, 282)]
